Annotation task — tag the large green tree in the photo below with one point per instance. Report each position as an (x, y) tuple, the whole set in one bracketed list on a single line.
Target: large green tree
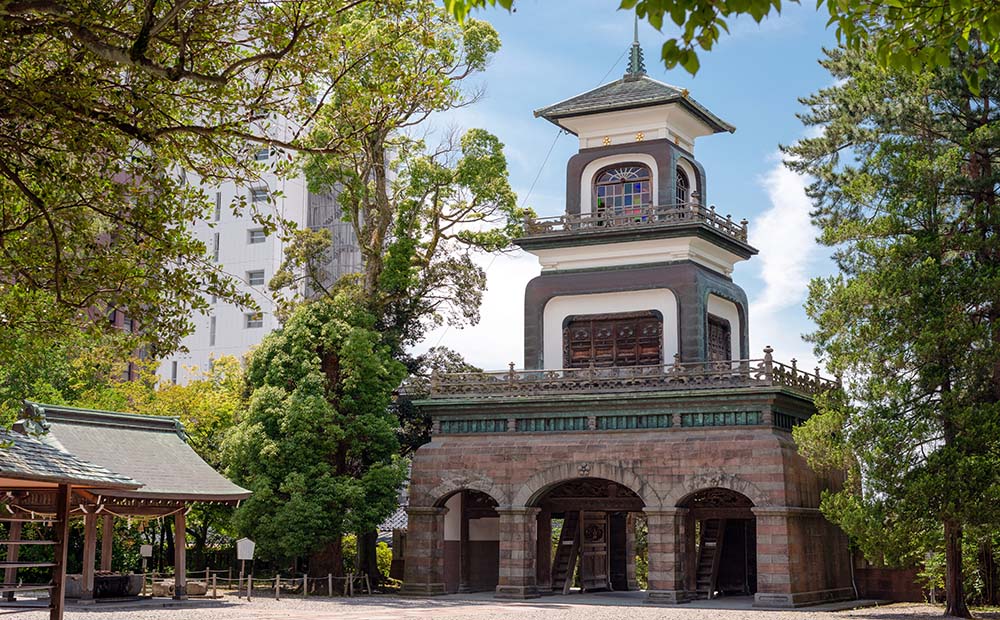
[(112, 115), (906, 34), (317, 443), (420, 208), (907, 171)]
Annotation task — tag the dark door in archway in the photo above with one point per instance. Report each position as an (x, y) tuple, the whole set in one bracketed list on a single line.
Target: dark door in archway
[(594, 573)]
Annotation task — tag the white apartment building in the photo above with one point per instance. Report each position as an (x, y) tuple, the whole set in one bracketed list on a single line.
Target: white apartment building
[(251, 257)]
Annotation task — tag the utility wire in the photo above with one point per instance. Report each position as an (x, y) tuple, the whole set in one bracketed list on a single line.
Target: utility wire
[(538, 175)]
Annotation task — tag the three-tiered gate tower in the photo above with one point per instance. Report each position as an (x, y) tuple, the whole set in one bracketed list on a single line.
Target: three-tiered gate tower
[(639, 400)]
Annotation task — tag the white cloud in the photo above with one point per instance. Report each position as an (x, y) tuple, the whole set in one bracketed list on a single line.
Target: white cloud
[(788, 257), (498, 338)]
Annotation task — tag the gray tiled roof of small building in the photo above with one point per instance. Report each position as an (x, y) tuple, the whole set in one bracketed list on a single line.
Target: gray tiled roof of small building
[(26, 458), (627, 93), (150, 449)]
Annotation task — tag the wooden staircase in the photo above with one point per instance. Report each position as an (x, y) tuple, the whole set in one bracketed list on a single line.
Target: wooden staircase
[(567, 553), (709, 556)]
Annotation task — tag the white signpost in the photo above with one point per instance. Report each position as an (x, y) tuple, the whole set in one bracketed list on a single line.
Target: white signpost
[(146, 551), (244, 552)]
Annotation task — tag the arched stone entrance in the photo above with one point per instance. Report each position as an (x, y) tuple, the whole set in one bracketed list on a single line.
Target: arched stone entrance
[(586, 526), (471, 541), (721, 543)]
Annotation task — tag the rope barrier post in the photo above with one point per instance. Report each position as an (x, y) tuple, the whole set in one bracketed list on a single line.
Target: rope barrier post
[(249, 586), (239, 590), (329, 585), (215, 589), (305, 586), (207, 573), (277, 587), (368, 584), (350, 581)]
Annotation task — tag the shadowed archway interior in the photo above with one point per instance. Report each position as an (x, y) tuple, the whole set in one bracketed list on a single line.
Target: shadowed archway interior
[(722, 543)]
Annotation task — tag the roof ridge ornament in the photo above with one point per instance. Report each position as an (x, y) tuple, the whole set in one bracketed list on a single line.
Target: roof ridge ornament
[(636, 64)]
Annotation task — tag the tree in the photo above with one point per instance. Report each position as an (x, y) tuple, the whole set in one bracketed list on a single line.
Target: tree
[(419, 214), (317, 443), (113, 114), (906, 180), (906, 34)]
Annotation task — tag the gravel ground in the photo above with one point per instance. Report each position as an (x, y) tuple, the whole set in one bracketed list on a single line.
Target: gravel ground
[(476, 607)]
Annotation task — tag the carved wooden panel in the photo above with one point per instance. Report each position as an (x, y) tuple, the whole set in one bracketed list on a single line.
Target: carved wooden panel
[(719, 340), (625, 339)]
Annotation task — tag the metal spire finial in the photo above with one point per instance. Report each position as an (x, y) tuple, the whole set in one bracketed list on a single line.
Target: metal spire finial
[(636, 65)]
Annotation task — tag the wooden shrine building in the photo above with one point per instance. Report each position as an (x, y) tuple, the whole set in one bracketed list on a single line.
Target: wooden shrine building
[(153, 451), (639, 399), (30, 469)]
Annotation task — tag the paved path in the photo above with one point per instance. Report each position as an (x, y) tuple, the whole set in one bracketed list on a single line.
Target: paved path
[(478, 607)]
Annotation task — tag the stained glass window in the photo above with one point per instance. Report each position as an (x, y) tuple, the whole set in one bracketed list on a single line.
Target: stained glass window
[(621, 190), (683, 187)]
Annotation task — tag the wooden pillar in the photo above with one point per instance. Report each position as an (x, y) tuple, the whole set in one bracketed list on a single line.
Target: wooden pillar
[(13, 553), (107, 541), (89, 556), (464, 557), (60, 527), (543, 553), (180, 556)]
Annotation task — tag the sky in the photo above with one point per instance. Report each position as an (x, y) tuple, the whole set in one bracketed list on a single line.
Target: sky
[(753, 78)]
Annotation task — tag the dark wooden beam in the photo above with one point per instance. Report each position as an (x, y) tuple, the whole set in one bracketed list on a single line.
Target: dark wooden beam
[(60, 527)]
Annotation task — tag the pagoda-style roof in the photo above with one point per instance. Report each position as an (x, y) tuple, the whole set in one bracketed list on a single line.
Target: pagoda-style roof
[(630, 92), (26, 462), (150, 449)]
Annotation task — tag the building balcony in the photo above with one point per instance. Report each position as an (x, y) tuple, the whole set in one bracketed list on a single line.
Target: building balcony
[(750, 373), (626, 221)]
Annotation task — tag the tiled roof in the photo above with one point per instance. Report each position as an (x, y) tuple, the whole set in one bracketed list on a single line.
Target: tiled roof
[(25, 458), (626, 93), (150, 449)]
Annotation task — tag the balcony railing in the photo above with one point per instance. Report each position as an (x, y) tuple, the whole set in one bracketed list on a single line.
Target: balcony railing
[(763, 372), (645, 216)]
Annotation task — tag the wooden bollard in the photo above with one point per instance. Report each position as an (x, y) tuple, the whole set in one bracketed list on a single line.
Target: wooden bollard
[(277, 587), (249, 586), (215, 590), (305, 586), (329, 584)]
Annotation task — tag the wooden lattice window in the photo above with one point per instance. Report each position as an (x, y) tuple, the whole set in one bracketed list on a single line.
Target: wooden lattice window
[(683, 187), (719, 339), (624, 339), (622, 189)]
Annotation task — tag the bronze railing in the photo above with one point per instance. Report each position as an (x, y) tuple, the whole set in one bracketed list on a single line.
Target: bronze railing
[(636, 217), (763, 372)]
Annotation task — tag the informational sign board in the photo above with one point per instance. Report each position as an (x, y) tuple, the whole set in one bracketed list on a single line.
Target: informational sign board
[(146, 551), (244, 549)]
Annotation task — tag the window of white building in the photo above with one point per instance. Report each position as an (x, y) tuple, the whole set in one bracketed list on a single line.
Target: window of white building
[(255, 277), (255, 235), (253, 320)]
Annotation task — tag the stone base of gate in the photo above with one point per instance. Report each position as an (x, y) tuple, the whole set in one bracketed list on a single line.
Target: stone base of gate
[(516, 592), (802, 599), (422, 589), (668, 597)]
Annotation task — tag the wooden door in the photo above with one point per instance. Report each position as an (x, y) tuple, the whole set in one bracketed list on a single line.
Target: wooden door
[(594, 551)]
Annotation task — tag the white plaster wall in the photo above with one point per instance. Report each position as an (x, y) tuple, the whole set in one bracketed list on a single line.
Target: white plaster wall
[(725, 309), (674, 249), (487, 528), (558, 308), (587, 178), (453, 518)]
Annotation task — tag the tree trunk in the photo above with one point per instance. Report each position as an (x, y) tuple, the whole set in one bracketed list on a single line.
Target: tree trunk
[(368, 558), (328, 560), (955, 605)]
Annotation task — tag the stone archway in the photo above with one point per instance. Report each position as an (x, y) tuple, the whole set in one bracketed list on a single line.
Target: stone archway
[(535, 487), (720, 541), (694, 483), (470, 540)]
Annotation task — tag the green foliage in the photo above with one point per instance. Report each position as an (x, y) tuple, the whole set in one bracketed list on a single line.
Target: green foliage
[(418, 212), (906, 180), (910, 35), (383, 555), (317, 443)]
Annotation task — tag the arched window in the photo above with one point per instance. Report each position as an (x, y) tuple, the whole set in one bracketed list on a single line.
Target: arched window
[(622, 189), (683, 187)]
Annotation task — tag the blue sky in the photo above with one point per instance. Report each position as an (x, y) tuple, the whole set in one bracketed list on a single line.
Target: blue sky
[(752, 79)]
